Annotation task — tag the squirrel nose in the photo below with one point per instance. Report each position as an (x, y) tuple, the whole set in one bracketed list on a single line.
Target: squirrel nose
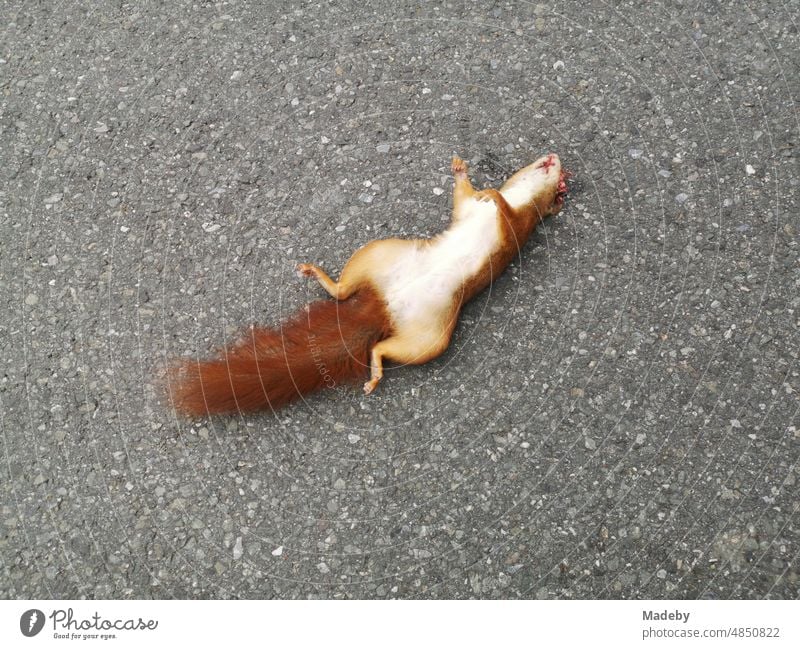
[(550, 161)]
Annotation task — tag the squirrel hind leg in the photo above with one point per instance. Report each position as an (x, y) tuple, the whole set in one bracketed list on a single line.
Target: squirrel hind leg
[(407, 350), (376, 364), (337, 290)]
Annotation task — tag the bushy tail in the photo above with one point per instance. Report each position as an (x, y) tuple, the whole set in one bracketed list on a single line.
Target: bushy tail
[(327, 343)]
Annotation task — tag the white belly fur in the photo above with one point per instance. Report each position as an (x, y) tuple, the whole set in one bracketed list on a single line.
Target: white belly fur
[(421, 283)]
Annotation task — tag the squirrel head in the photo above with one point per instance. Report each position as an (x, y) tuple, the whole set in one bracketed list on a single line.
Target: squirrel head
[(553, 184)]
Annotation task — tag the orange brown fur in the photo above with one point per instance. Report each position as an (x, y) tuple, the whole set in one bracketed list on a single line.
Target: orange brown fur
[(326, 344), (397, 299)]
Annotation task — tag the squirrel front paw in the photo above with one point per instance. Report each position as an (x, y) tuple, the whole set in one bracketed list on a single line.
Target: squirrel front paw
[(458, 167)]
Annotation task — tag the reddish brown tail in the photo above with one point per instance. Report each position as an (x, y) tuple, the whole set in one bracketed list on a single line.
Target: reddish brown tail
[(326, 344)]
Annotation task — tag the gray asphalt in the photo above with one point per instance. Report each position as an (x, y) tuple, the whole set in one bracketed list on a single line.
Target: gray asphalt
[(616, 418)]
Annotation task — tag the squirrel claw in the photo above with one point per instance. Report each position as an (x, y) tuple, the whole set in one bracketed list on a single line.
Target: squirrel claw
[(369, 386)]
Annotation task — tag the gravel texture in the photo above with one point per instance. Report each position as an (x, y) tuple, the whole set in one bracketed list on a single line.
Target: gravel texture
[(616, 418)]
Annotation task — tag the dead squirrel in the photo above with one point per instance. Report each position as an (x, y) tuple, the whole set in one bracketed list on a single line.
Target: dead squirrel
[(396, 300)]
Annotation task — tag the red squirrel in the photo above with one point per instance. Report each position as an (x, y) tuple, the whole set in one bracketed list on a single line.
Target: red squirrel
[(396, 300)]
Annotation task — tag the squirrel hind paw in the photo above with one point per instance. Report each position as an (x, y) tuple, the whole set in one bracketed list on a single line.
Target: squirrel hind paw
[(369, 386), (304, 270)]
